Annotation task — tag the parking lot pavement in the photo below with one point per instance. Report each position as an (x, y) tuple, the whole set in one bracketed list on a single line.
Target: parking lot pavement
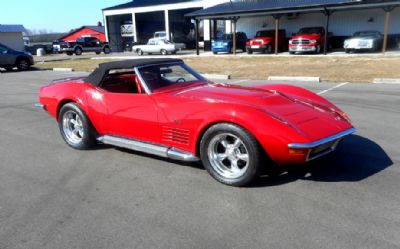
[(54, 197)]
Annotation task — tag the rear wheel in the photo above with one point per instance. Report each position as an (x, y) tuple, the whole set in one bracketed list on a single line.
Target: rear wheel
[(23, 64), (78, 51), (249, 51), (70, 53), (76, 129), (98, 52), (107, 50), (230, 154), (163, 52)]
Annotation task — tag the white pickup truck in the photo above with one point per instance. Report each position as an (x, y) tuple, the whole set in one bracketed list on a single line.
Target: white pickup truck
[(155, 46)]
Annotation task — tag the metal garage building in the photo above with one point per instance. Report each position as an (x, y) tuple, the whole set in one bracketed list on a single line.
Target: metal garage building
[(136, 21), (12, 36), (342, 17)]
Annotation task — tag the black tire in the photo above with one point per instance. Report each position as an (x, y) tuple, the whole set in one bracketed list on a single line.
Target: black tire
[(98, 52), (347, 51), (269, 49), (139, 52), (249, 51), (107, 50), (9, 69), (23, 64), (78, 51), (70, 53), (87, 139), (291, 52), (215, 52), (163, 52), (318, 49), (249, 144)]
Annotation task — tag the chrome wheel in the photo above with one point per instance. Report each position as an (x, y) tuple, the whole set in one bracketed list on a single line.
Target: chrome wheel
[(72, 127), (228, 155)]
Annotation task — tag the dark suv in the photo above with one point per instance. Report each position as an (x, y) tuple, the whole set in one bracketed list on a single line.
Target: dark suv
[(225, 43), (10, 58)]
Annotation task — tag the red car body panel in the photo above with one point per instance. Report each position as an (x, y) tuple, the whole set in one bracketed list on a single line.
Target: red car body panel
[(178, 116)]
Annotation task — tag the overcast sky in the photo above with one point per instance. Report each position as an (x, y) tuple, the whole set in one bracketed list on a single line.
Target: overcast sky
[(54, 15)]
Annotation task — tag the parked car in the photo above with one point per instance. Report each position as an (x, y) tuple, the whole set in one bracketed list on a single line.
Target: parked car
[(158, 46), (364, 40), (165, 108), (10, 58), (84, 44), (225, 43), (309, 39), (264, 41)]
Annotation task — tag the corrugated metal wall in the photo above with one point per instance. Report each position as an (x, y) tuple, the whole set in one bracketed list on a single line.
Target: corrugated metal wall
[(343, 23)]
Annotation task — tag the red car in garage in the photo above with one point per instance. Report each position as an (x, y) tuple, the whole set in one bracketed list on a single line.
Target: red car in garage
[(264, 41), (163, 107)]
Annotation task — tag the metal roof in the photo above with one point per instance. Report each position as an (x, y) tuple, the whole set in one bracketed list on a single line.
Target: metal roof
[(275, 6), (99, 29), (12, 28), (144, 3)]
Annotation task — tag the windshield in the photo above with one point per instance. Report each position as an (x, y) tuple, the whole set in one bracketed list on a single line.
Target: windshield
[(265, 33), (309, 31), (367, 33), (160, 77)]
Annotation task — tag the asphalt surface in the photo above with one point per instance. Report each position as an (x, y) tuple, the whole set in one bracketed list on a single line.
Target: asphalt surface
[(52, 196)]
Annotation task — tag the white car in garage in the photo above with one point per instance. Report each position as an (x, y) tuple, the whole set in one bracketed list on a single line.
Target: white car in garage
[(155, 46)]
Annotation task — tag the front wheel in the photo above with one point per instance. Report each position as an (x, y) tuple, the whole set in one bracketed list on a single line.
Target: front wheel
[(163, 52), (75, 127), (231, 154), (23, 64), (139, 51)]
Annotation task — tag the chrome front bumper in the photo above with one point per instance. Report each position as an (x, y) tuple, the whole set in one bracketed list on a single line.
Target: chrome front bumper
[(300, 48), (323, 146)]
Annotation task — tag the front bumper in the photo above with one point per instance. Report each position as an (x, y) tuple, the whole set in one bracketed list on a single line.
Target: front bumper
[(257, 48), (321, 147), (221, 49), (302, 48)]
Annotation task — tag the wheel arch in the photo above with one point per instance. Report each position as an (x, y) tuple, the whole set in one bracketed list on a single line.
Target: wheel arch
[(20, 57)]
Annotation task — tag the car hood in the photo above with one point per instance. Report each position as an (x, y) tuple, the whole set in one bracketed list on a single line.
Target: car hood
[(307, 36), (362, 38), (301, 114)]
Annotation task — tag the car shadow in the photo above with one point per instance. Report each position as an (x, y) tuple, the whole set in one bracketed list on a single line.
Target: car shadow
[(355, 159)]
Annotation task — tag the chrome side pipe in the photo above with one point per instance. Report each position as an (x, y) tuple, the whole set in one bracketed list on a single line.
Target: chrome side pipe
[(149, 148)]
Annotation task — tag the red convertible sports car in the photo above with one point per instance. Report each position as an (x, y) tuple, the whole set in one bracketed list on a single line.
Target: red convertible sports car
[(163, 107)]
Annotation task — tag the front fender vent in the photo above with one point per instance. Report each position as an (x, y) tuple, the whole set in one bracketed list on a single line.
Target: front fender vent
[(175, 135)]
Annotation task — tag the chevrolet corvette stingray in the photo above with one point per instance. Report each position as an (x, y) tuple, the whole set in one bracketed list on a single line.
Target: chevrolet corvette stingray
[(165, 108)]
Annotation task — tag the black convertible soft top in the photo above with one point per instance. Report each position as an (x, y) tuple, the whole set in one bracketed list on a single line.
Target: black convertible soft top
[(98, 74)]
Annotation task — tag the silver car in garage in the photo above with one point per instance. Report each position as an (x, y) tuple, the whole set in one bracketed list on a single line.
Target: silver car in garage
[(155, 46), (364, 40)]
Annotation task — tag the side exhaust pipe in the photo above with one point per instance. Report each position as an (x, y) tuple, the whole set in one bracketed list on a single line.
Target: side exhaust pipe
[(149, 148)]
